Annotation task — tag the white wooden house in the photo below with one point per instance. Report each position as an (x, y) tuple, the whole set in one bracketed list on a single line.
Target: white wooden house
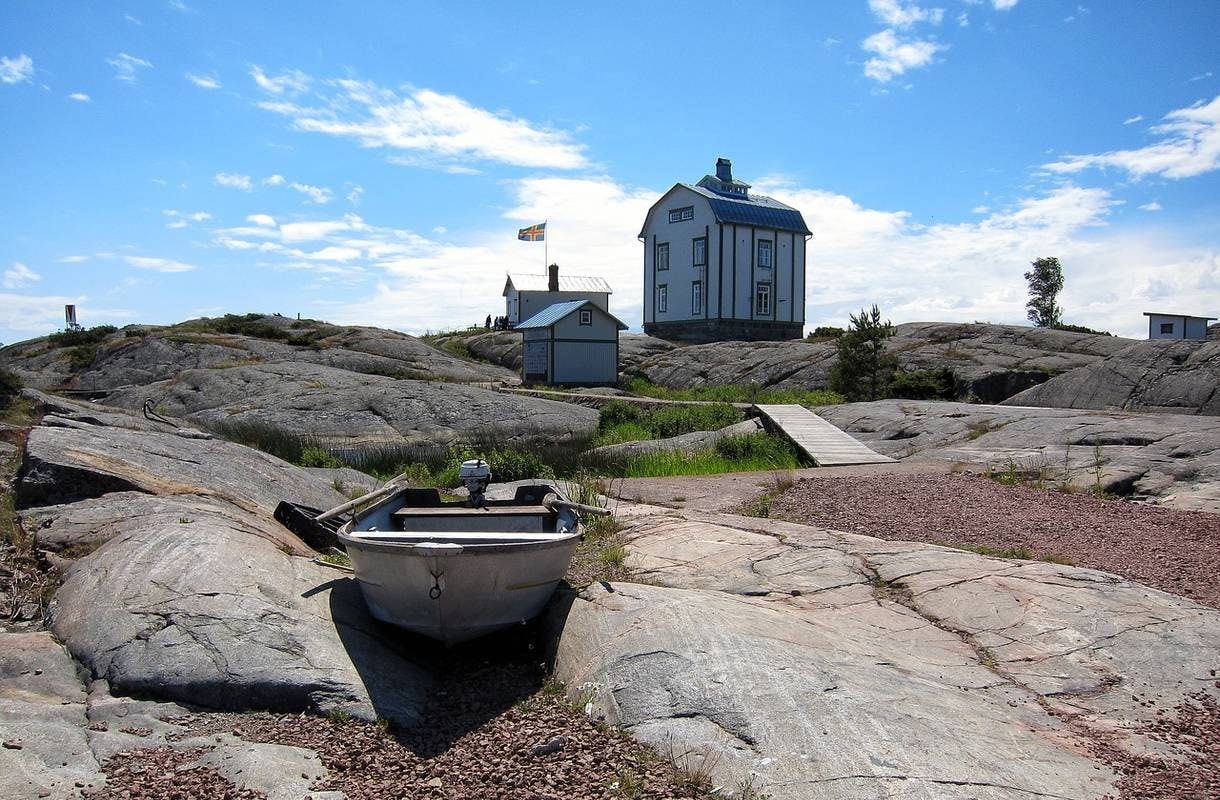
[(1176, 326), (570, 343), (722, 263), (526, 295)]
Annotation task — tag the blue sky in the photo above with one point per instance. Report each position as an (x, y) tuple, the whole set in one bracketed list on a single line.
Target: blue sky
[(371, 164)]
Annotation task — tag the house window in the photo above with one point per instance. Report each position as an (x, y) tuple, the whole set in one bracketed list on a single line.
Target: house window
[(586, 316), (682, 214), (663, 256), (762, 300), (696, 297), (662, 299), (699, 252), (1167, 327), (764, 254)]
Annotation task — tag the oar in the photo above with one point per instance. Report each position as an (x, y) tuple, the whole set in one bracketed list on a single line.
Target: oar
[(350, 504), (557, 503)]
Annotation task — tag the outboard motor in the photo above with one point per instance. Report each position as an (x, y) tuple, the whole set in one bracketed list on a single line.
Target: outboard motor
[(476, 474)]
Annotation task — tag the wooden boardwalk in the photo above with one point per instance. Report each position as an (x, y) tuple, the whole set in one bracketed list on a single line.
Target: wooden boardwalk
[(824, 443)]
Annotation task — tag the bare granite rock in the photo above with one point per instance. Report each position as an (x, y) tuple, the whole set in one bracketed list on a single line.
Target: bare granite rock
[(1169, 458), (840, 666), (991, 362), (140, 355), (45, 750), (1172, 376), (340, 408)]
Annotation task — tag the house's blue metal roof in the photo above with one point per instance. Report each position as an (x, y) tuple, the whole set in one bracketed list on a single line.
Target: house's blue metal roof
[(553, 313), (757, 210)]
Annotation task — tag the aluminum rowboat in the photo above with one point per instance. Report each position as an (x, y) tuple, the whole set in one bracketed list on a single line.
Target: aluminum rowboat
[(454, 572)]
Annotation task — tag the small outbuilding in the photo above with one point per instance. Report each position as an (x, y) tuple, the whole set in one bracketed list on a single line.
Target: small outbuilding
[(570, 343), (1176, 326), (526, 295)]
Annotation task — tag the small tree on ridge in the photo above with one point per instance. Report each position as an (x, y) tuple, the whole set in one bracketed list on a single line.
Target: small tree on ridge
[(1045, 282), (865, 368)]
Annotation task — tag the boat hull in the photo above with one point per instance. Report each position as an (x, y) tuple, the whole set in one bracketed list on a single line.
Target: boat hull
[(462, 593)]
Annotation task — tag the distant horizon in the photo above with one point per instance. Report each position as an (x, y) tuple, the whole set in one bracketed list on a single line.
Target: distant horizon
[(171, 160)]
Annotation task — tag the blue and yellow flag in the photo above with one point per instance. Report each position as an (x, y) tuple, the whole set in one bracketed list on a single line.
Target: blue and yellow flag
[(534, 233)]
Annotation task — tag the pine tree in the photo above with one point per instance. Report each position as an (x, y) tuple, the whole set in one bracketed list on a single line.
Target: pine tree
[(1045, 282), (865, 368)]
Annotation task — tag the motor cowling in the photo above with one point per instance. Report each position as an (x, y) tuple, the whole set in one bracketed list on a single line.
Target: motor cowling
[(475, 474)]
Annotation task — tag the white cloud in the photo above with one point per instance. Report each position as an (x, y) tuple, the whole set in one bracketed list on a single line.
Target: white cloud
[(1133, 120), (355, 194), (292, 82), (1201, 76), (80, 97), (1189, 146), (438, 128), (1003, 5), (203, 81), (180, 6), (158, 264), (126, 67), (263, 220), (179, 219), (20, 275), (273, 180), (71, 259), (1153, 206), (16, 69), (233, 180), (894, 56), (963, 20), (316, 194), (895, 14)]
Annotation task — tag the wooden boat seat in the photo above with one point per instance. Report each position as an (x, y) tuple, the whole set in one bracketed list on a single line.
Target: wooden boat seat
[(463, 511), (458, 537)]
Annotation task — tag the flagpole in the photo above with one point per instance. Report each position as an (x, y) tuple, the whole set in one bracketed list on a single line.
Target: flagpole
[(546, 245)]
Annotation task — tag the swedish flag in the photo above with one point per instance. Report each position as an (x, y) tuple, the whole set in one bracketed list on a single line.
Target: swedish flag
[(534, 233)]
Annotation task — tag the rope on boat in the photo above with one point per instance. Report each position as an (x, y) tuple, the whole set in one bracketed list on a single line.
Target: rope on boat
[(435, 592)]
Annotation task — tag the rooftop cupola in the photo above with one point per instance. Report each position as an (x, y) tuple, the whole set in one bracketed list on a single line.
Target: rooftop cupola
[(724, 170)]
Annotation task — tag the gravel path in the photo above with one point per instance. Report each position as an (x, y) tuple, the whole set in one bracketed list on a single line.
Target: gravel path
[(1176, 551), (492, 731)]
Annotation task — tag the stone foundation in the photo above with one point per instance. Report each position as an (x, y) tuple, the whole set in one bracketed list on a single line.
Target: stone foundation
[(724, 330)]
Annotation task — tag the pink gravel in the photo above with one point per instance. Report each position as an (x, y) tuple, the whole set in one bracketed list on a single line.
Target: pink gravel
[(1175, 551)]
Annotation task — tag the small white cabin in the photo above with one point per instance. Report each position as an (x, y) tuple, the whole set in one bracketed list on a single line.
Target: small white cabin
[(571, 343), (526, 295), (1176, 326)]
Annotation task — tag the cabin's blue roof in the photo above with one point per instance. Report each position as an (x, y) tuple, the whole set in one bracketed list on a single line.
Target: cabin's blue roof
[(757, 210), (553, 313)]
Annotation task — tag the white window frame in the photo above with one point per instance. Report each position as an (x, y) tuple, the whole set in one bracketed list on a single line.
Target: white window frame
[(697, 259), (769, 250), (682, 214), (663, 298), (586, 316), (662, 256), (696, 297), (762, 300)]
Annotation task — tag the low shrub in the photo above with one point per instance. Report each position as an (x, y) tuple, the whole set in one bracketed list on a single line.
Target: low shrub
[(10, 387), (825, 333), (924, 384), (81, 357), (616, 412), (83, 336), (1080, 329)]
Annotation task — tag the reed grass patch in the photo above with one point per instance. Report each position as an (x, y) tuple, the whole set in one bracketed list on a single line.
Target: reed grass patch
[(736, 393)]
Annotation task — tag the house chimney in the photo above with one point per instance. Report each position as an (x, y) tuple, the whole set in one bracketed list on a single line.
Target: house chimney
[(552, 284), (724, 170)]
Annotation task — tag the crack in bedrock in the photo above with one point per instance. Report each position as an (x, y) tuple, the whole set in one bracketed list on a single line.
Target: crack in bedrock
[(903, 597), (928, 779)]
